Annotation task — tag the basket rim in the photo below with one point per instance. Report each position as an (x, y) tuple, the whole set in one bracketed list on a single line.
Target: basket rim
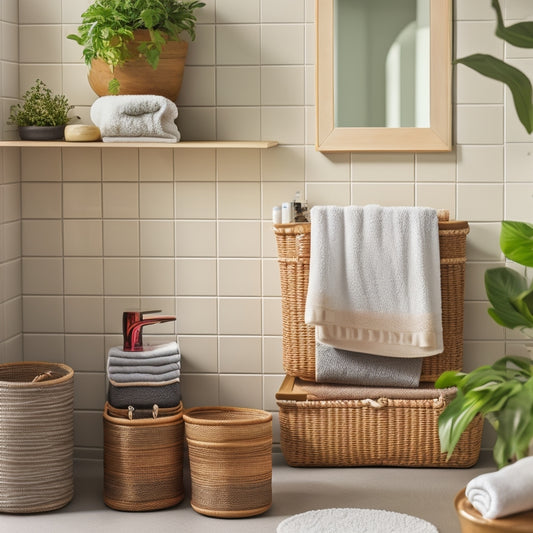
[(159, 421), (69, 374), (193, 415)]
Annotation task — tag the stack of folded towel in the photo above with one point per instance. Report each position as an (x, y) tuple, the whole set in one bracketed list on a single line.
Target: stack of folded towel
[(374, 293), (144, 378), (136, 118), (505, 492)]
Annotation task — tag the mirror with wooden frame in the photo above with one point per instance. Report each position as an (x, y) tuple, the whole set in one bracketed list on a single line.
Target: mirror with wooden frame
[(384, 75)]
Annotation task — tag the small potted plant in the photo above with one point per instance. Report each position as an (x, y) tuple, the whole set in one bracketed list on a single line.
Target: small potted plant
[(42, 115), (137, 47)]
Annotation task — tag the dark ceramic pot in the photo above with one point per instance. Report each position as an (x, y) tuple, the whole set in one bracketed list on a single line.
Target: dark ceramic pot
[(41, 133)]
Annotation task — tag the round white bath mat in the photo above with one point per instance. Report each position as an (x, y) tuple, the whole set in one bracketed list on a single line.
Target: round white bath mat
[(354, 521)]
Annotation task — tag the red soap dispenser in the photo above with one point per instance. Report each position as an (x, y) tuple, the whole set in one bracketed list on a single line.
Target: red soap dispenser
[(132, 324)]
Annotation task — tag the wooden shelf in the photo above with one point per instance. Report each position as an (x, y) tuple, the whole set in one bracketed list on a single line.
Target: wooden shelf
[(184, 144)]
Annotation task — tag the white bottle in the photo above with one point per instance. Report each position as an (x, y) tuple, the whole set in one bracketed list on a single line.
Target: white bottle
[(286, 213), (276, 214)]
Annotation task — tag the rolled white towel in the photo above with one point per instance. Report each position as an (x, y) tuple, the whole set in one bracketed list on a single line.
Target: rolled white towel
[(505, 492), (136, 116)]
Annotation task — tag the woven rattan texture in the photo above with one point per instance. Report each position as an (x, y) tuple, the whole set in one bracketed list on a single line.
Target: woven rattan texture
[(36, 436), (230, 455), (294, 248), (356, 433), (143, 462)]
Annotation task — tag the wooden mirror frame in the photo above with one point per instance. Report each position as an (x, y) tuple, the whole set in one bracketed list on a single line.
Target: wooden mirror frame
[(436, 138)]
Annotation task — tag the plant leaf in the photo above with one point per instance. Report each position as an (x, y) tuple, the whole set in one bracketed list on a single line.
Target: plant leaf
[(516, 242), (514, 420), (503, 286), (455, 419), (520, 34), (449, 378), (516, 80)]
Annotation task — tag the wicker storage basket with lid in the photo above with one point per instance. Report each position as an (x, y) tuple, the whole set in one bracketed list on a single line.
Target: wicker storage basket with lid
[(143, 459), (336, 425), (294, 247), (36, 436), (230, 455)]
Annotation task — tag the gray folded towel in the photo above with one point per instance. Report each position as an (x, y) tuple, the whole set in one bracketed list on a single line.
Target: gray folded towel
[(333, 365), (144, 396), (170, 348), (154, 364), (143, 377), (143, 369)]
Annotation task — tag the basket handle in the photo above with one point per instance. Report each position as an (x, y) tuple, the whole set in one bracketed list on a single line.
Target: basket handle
[(376, 404), (44, 376)]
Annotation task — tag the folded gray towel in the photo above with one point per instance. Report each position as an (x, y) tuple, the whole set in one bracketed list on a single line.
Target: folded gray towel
[(144, 396), (142, 369), (333, 365), (143, 377), (146, 361), (170, 348)]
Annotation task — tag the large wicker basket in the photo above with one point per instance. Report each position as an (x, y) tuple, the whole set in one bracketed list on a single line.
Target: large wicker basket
[(143, 460), (335, 425), (36, 436), (230, 454), (294, 246)]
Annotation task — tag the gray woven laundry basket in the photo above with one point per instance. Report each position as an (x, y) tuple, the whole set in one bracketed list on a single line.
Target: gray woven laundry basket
[(36, 436)]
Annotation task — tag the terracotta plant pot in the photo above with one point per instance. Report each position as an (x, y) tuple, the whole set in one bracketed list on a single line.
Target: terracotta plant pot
[(136, 76)]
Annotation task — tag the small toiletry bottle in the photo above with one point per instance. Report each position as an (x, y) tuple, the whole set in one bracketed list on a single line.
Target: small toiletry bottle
[(286, 213), (276, 214), (300, 209)]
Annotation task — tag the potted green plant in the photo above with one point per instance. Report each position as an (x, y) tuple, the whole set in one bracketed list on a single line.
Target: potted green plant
[(41, 115), (137, 46), (503, 392)]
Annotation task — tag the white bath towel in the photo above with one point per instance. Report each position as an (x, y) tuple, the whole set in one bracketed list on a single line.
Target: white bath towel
[(136, 116), (505, 492), (374, 280)]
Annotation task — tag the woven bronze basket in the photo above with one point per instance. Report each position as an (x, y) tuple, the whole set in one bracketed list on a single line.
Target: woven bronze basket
[(143, 460), (230, 455), (294, 247), (36, 436), (369, 429)]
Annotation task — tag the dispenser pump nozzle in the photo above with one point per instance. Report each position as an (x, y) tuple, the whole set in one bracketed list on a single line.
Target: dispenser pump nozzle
[(132, 324)]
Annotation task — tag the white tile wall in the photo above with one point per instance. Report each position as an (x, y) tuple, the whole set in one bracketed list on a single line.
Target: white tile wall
[(87, 233)]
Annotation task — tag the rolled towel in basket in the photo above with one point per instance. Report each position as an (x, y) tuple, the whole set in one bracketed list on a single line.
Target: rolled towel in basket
[(136, 117), (333, 365), (374, 280), (505, 492)]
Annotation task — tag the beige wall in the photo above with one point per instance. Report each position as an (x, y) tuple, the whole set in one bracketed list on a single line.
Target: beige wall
[(86, 233)]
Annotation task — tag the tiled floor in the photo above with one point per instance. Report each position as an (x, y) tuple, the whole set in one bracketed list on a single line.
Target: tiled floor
[(426, 493)]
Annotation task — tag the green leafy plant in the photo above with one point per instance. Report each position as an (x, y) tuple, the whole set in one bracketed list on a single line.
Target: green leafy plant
[(501, 393), (108, 25), (40, 107), (521, 35)]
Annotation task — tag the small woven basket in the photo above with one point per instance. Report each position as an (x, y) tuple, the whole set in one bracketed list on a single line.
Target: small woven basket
[(36, 436), (230, 454), (369, 430), (294, 250), (143, 460)]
